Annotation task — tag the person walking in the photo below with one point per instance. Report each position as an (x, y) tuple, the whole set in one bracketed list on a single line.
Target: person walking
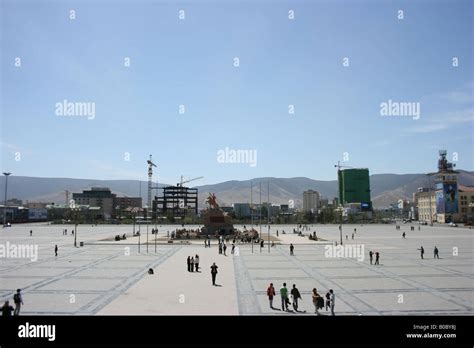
[(7, 309), (271, 294), (377, 256), (332, 298), (404, 235), (315, 296), (220, 248), (422, 251), (233, 248), (225, 248), (292, 248), (371, 256), (328, 300), (18, 302), (189, 263), (436, 252), (352, 235), (284, 297), (196, 262), (214, 273), (56, 250), (31, 233), (296, 295)]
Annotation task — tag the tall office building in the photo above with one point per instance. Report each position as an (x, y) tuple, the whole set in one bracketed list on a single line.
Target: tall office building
[(310, 201), (354, 187)]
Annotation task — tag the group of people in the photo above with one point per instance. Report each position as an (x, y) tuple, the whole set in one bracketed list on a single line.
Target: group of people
[(7, 309), (435, 252), (222, 248), (193, 263), (193, 266), (295, 295), (377, 257), (65, 232)]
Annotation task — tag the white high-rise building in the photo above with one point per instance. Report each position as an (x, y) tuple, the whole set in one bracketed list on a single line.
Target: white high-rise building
[(310, 201)]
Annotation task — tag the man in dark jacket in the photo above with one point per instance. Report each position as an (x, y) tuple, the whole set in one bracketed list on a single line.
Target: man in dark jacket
[(422, 251), (214, 273), (296, 295), (7, 309)]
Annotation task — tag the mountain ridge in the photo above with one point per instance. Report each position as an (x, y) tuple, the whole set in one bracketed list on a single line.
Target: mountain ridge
[(386, 188)]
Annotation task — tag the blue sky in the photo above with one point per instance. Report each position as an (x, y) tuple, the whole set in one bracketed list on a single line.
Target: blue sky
[(190, 62)]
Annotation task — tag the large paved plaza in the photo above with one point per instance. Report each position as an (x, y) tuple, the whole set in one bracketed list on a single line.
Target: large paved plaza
[(111, 277)]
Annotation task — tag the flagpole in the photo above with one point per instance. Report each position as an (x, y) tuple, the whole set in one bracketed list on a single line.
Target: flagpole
[(260, 214), (251, 211), (268, 213)]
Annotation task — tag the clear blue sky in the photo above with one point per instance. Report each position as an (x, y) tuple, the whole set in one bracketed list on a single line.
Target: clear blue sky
[(190, 62)]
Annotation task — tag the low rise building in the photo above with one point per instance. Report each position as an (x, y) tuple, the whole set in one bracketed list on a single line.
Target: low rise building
[(425, 201), (466, 203), (241, 210)]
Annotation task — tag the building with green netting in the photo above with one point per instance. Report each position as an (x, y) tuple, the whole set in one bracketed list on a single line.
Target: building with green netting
[(354, 187)]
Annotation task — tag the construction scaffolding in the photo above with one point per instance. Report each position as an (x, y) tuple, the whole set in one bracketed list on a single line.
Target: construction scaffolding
[(177, 201)]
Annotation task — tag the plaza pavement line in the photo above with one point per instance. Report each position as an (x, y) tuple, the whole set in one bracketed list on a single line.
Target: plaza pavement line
[(172, 290)]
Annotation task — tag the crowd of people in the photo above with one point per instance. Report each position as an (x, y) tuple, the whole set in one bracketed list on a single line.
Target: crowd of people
[(293, 296)]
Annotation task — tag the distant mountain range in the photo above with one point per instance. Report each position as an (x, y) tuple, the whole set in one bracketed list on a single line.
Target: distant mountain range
[(385, 188)]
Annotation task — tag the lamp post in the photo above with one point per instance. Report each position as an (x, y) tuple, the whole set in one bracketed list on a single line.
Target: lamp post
[(75, 210), (429, 195), (75, 234), (7, 174), (340, 223), (260, 217), (268, 213)]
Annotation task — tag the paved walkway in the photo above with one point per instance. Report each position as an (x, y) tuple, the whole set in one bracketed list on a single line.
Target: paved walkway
[(172, 290), (111, 278)]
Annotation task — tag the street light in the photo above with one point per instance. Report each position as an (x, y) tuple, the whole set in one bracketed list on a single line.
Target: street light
[(7, 174), (429, 194), (75, 210), (340, 223)]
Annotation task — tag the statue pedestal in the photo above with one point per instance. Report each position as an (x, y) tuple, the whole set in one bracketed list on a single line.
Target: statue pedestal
[(217, 223)]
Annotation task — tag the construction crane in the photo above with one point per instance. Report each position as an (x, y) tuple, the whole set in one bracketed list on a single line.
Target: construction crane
[(338, 166), (150, 175), (180, 184)]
